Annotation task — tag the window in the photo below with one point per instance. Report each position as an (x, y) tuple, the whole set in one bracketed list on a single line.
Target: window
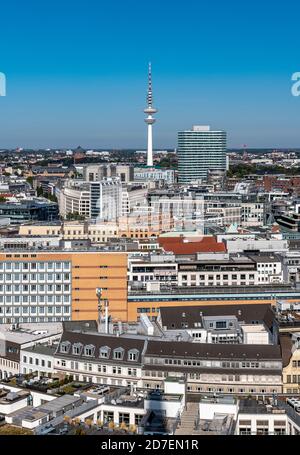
[(221, 325), (108, 416), (89, 350), (137, 419), (118, 353), (124, 417), (65, 347), (245, 431), (133, 355), (279, 431), (262, 427), (132, 372), (262, 431), (104, 352), (77, 348), (117, 370)]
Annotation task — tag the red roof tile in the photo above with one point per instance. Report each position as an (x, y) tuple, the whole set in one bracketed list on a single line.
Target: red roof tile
[(191, 245)]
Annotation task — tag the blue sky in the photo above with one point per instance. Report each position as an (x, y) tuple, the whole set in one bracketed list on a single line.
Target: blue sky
[(77, 71)]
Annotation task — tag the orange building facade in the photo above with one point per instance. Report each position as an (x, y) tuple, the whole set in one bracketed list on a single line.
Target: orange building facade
[(27, 277), (138, 304)]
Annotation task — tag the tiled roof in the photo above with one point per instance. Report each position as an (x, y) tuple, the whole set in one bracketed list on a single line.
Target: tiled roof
[(185, 245), (172, 317)]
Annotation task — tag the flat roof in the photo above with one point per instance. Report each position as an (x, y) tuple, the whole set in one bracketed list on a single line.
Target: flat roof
[(58, 403), (30, 332), (42, 349), (253, 328)]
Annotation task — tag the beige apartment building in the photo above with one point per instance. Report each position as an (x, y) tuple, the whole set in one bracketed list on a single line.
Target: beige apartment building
[(97, 233), (291, 365)]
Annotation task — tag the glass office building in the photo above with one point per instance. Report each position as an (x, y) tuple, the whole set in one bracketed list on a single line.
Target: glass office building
[(199, 150)]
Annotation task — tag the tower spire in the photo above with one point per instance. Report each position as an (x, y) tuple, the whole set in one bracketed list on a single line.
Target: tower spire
[(149, 94), (150, 110)]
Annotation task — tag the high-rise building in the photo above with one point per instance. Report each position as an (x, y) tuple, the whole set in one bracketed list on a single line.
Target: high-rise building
[(200, 150), (106, 199)]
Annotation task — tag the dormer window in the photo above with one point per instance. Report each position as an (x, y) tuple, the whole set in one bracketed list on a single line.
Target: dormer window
[(118, 353), (77, 348), (133, 355), (65, 347), (104, 352), (89, 350)]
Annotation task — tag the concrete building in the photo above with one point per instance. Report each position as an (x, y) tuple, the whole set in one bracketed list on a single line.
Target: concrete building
[(74, 197), (38, 359), (140, 301), (106, 200), (146, 174), (98, 172), (15, 338), (261, 419), (245, 324), (60, 284)]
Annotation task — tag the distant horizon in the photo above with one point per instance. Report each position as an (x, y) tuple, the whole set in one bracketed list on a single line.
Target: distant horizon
[(136, 149)]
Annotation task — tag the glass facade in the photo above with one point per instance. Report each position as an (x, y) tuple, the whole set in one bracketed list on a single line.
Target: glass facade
[(198, 151)]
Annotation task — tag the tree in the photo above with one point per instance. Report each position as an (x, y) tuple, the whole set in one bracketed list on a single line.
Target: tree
[(74, 216), (89, 422), (67, 419), (29, 180), (99, 423), (123, 426), (80, 431), (132, 428), (39, 191), (111, 425)]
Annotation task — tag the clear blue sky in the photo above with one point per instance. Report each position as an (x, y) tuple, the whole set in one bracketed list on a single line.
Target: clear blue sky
[(76, 71)]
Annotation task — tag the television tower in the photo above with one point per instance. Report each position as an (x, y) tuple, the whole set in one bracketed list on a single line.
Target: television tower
[(150, 110)]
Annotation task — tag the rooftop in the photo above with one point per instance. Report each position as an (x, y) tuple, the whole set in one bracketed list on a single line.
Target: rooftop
[(29, 332), (42, 349), (172, 317), (191, 245), (250, 406)]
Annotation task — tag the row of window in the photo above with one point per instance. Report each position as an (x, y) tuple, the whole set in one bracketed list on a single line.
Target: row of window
[(8, 363), (37, 362), (225, 277), (104, 351), (212, 363), (34, 277), (33, 288), (261, 431), (99, 368), (16, 310), (25, 299), (12, 266), (25, 319), (293, 379), (218, 378)]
